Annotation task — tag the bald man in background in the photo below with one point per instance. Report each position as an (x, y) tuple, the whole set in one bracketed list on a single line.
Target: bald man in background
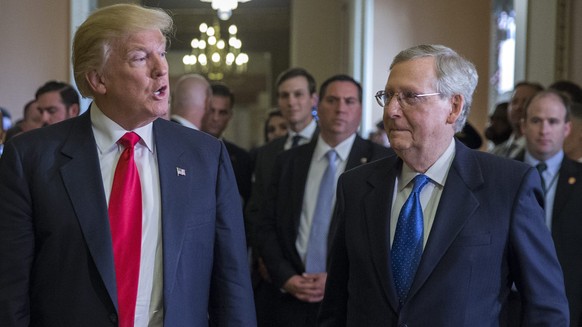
[(191, 100)]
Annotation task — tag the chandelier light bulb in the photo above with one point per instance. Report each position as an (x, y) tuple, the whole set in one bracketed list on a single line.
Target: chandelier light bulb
[(224, 14), (242, 59), (213, 56), (229, 58), (202, 59)]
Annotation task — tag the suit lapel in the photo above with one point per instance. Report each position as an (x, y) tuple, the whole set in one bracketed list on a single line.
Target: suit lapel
[(377, 219), (452, 213), (359, 153), (566, 182), (170, 161), (300, 169), (88, 198)]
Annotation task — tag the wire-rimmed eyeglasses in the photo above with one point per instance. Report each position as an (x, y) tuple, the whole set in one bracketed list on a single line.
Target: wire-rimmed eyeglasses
[(405, 99)]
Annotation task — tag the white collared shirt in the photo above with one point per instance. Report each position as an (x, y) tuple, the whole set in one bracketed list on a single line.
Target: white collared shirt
[(317, 167), (107, 133), (306, 135), (184, 122), (550, 176), (430, 195)]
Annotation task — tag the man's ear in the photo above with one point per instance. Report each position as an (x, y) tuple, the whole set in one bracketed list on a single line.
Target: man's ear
[(314, 100), (74, 110), (457, 103), (96, 82)]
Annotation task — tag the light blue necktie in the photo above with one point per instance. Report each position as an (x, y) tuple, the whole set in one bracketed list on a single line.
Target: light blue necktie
[(541, 167), (408, 238), (316, 256)]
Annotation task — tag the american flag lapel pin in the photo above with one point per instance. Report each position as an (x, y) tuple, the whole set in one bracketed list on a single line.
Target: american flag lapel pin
[(180, 171)]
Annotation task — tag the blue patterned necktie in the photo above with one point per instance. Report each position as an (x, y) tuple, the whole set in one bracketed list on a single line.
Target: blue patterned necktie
[(316, 256), (408, 239)]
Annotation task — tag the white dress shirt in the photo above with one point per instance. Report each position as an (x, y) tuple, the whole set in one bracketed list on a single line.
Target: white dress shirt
[(107, 133), (306, 135), (430, 195), (183, 121), (317, 168)]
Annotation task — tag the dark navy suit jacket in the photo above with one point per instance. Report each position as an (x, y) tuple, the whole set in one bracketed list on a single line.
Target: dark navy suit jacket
[(567, 232), (488, 232), (55, 244)]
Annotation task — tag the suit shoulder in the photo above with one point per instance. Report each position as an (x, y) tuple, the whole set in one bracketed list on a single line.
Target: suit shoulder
[(380, 151), (362, 171), (274, 146), (170, 134), (233, 148), (496, 162)]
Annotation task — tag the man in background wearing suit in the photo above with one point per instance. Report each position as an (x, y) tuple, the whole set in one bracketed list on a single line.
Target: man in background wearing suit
[(215, 122), (144, 232), (521, 95), (296, 98), (191, 100), (545, 126), (56, 102), (294, 230), (446, 251)]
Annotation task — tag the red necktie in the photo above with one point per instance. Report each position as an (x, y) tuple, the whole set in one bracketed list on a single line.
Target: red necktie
[(125, 215)]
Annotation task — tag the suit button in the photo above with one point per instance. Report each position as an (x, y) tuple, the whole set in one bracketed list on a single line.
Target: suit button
[(113, 318)]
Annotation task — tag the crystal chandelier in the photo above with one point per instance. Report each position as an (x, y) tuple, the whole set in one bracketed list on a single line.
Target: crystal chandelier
[(213, 56), (224, 8)]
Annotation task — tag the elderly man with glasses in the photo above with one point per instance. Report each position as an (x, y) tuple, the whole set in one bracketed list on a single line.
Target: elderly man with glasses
[(437, 235)]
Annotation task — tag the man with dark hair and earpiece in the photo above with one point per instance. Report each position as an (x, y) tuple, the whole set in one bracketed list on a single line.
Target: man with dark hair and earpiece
[(296, 227)]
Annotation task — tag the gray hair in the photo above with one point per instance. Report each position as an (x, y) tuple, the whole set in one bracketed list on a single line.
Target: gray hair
[(455, 74)]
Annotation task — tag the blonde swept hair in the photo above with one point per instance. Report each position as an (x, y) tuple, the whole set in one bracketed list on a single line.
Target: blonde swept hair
[(94, 38)]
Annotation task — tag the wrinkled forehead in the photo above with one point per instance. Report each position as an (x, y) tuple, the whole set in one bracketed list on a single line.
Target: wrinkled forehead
[(411, 74)]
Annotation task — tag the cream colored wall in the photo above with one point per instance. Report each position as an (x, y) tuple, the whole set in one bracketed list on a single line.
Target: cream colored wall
[(541, 42), (464, 28), (575, 73), (35, 48), (319, 37), (543, 34)]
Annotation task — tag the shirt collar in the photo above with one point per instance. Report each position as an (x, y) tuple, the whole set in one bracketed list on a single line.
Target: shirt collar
[(107, 132), (553, 162), (305, 133), (437, 172), (343, 149), (184, 121)]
